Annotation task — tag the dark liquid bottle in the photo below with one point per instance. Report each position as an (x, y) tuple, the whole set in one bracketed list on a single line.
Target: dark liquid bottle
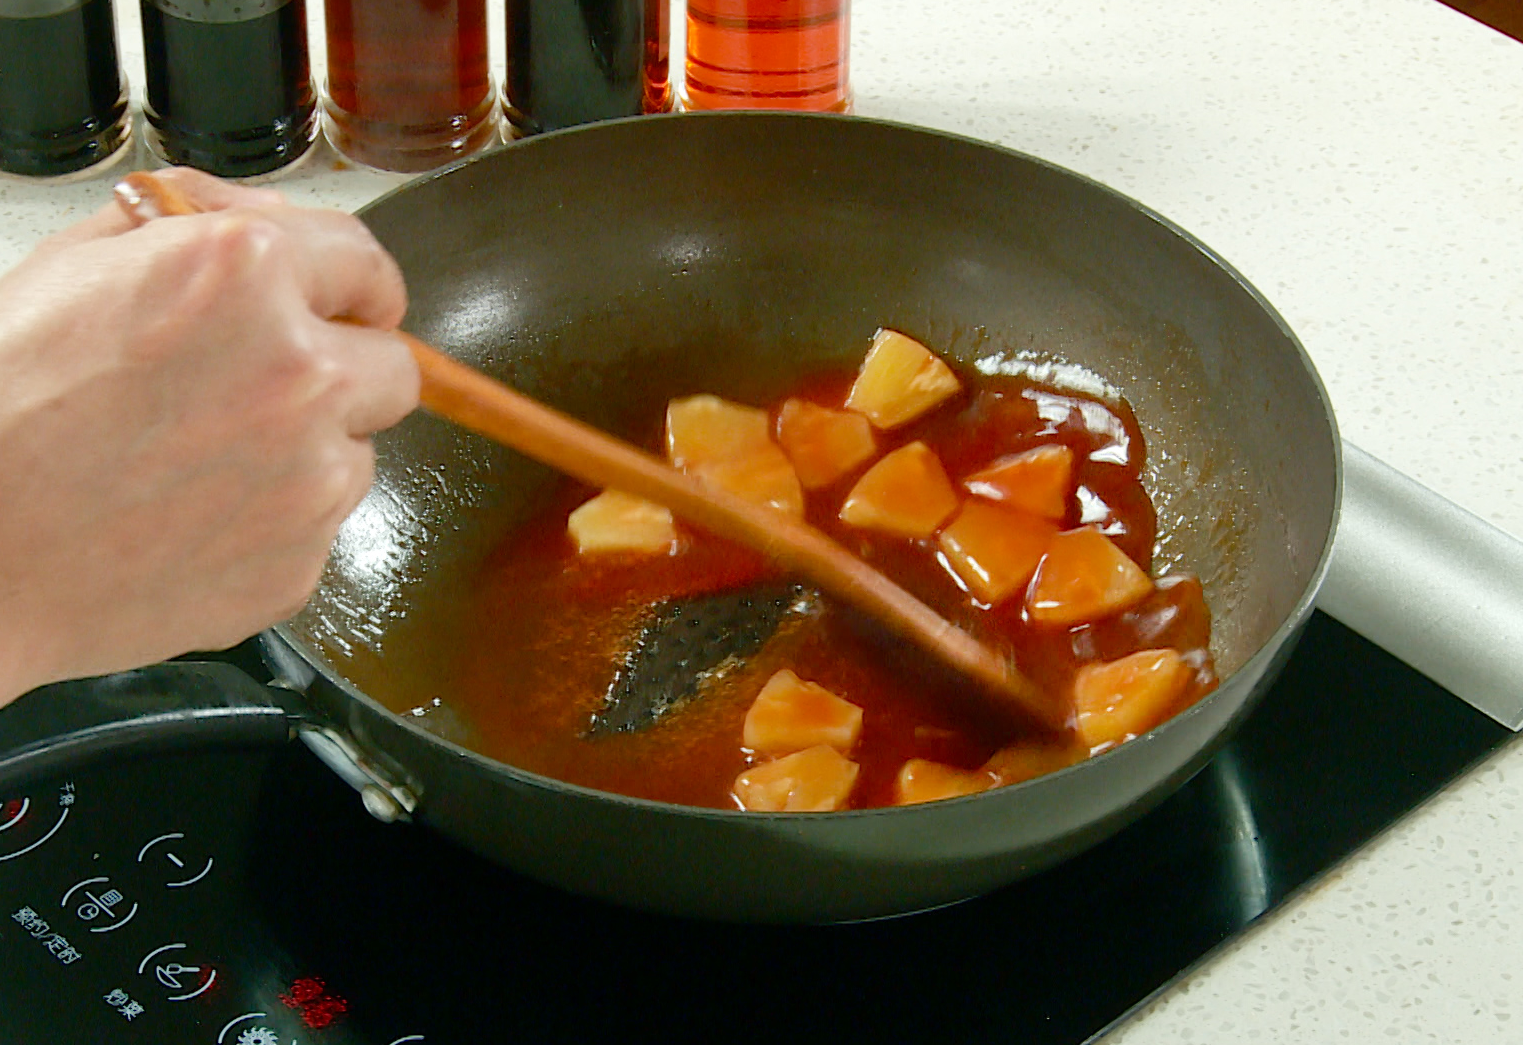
[(409, 85), (574, 61), (229, 85), (63, 105)]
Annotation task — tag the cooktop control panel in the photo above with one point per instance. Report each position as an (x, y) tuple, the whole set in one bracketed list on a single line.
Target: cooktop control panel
[(241, 896), (132, 911)]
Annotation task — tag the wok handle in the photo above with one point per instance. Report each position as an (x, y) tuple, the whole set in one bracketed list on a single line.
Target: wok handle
[(1436, 586), (166, 707)]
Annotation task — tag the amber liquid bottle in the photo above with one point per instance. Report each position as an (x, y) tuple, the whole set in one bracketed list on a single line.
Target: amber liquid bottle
[(63, 105), (229, 85), (575, 61), (767, 54), (658, 75), (409, 86)]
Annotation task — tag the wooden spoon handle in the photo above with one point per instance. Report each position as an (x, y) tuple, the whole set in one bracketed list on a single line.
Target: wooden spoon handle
[(473, 400)]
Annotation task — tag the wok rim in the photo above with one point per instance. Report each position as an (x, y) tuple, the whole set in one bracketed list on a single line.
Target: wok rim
[(1257, 664)]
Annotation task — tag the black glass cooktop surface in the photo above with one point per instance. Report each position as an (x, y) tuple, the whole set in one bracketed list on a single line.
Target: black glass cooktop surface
[(243, 897)]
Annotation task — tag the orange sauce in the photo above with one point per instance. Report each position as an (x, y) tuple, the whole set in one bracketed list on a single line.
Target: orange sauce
[(555, 626)]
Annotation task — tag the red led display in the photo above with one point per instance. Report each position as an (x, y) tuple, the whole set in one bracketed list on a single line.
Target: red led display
[(309, 996)]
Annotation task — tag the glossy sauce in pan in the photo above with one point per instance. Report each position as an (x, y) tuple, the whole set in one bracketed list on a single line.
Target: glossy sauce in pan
[(553, 626)]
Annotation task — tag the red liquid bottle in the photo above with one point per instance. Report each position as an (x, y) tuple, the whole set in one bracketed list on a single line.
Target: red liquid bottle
[(409, 87), (768, 54)]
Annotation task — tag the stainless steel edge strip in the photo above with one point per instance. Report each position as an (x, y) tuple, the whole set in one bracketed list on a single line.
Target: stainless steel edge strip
[(1430, 583)]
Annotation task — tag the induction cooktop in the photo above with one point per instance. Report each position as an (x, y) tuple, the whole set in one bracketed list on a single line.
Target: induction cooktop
[(243, 897)]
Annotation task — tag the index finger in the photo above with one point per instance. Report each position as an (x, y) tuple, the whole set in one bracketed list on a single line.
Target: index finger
[(343, 271), (202, 190), (339, 269)]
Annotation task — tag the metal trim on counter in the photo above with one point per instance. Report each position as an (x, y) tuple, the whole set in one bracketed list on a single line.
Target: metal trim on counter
[(1431, 583)]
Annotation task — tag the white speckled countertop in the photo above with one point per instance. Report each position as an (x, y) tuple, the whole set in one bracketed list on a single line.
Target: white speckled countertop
[(1361, 162)]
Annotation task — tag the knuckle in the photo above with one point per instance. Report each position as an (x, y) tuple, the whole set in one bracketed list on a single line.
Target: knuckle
[(240, 242), (336, 478), (391, 274), (186, 179), (350, 481), (361, 468), (383, 275), (300, 376), (299, 366), (408, 383), (215, 193), (301, 582), (207, 279)]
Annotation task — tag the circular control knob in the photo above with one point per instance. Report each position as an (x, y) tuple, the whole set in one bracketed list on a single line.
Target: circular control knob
[(29, 821)]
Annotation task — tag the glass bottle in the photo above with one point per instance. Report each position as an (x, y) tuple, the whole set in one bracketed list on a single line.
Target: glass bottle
[(63, 102), (767, 54), (409, 86), (574, 61), (229, 83), (658, 78)]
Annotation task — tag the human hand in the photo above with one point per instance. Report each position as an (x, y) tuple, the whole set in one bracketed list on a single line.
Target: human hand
[(184, 425)]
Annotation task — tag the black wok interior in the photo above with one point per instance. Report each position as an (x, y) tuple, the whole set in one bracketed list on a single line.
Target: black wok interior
[(722, 254)]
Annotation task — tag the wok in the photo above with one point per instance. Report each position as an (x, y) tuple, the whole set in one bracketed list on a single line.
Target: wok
[(605, 269)]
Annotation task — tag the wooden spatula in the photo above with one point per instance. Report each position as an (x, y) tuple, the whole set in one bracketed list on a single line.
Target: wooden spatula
[(470, 398)]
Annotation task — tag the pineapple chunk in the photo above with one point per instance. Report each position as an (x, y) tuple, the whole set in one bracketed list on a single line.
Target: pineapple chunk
[(995, 549), (763, 475), (1084, 577), (815, 780), (705, 428), (790, 715), (1023, 761), (730, 446), (900, 379), (906, 494), (823, 444), (615, 521), (1039, 481), (1120, 699), (923, 781)]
